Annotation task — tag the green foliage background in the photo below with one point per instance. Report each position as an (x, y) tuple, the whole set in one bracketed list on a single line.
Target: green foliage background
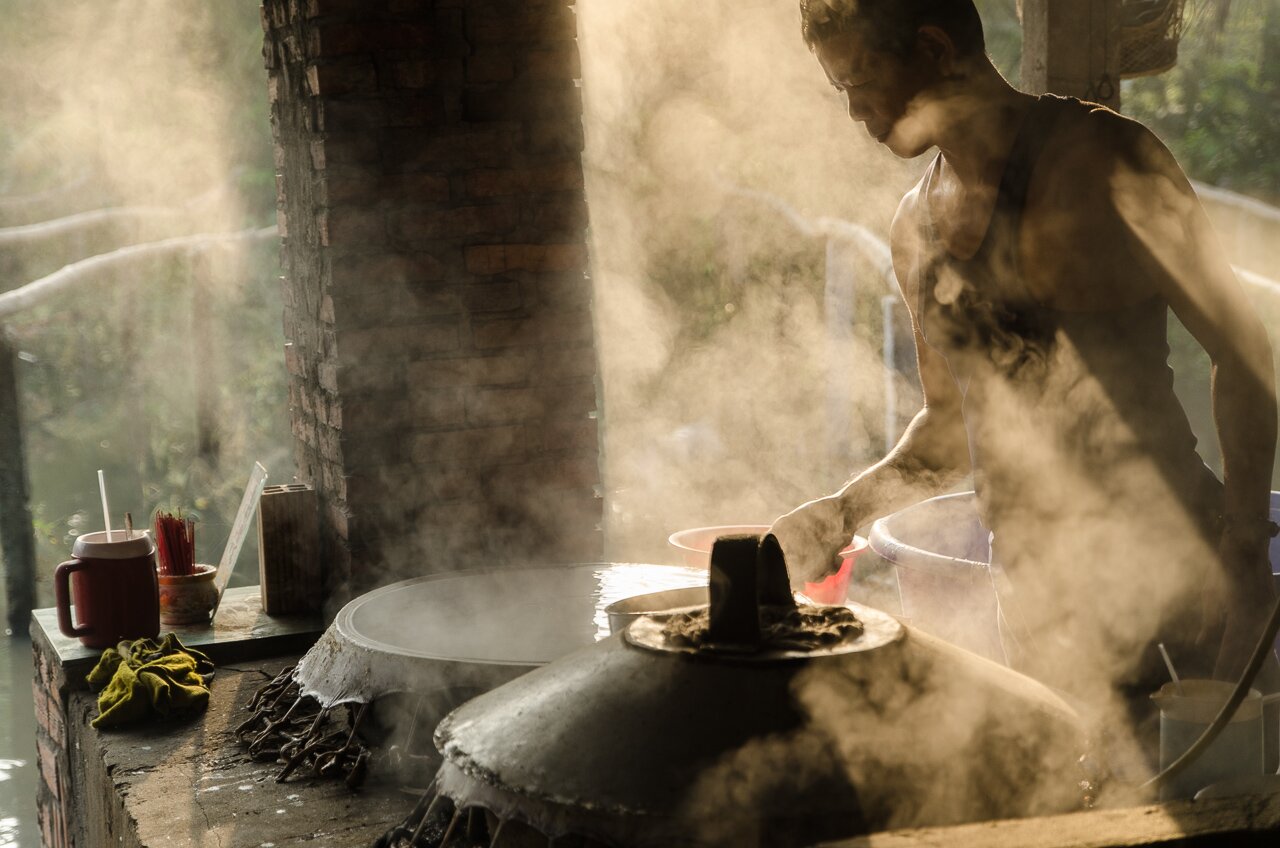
[(144, 103), (1218, 108)]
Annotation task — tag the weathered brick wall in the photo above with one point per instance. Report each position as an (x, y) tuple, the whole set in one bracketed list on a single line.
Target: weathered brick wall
[(49, 688), (437, 305)]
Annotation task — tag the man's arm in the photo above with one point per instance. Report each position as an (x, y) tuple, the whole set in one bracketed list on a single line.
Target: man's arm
[(931, 455), (1159, 209)]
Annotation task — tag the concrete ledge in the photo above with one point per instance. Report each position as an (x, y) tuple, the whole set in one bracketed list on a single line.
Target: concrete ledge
[(191, 783), (240, 630), (1220, 823)]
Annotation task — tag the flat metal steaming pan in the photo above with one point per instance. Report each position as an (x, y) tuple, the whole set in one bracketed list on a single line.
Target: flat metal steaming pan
[(471, 628)]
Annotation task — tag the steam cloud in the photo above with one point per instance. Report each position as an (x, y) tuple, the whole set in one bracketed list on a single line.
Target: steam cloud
[(685, 101), (128, 123), (714, 356)]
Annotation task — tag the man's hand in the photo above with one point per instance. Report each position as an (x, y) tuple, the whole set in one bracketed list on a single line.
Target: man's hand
[(811, 536)]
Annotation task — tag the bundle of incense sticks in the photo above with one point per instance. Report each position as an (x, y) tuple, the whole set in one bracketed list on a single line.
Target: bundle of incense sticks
[(175, 544)]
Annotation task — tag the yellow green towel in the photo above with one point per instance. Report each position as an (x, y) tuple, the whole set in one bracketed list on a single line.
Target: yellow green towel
[(146, 677)]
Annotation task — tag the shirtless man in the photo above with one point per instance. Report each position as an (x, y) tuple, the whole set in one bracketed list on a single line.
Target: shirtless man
[(1040, 256)]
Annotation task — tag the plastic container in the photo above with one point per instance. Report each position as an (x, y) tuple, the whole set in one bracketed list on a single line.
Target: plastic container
[(940, 551), (937, 552), (1236, 752)]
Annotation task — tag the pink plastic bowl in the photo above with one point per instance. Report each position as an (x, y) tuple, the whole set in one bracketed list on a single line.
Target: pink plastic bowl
[(695, 544)]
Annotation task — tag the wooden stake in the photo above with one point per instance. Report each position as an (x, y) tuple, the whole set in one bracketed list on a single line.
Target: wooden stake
[(17, 536)]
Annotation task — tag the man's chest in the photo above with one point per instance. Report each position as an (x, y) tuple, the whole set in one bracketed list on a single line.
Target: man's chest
[(1064, 253)]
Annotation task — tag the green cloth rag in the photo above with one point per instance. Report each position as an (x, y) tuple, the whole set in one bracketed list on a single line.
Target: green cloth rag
[(146, 677)]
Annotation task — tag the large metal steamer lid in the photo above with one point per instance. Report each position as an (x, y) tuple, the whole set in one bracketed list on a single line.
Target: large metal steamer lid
[(471, 628), (627, 745)]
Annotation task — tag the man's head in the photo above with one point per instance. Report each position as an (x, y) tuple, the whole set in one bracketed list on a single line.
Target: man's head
[(891, 25), (895, 61)]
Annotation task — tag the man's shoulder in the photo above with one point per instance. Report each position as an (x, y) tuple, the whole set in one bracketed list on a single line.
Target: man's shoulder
[(1093, 136)]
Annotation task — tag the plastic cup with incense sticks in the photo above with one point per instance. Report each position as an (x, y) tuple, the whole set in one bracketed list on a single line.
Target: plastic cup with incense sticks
[(187, 591)]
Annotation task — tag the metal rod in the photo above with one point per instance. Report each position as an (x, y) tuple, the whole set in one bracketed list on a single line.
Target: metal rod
[(426, 817), (315, 725), (359, 719), (413, 725), (471, 822), (448, 833), (497, 831), (424, 803)]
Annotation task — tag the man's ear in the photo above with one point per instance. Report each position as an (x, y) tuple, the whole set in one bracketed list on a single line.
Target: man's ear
[(935, 44)]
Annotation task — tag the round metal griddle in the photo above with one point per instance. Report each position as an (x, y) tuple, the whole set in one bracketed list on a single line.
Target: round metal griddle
[(475, 629)]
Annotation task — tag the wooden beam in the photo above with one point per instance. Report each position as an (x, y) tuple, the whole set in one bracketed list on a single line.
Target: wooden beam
[(1247, 820), (1071, 47)]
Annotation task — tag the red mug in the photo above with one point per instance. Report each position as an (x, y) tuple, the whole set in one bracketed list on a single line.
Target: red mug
[(113, 586)]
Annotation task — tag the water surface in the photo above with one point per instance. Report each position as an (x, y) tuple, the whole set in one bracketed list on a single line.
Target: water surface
[(18, 828)]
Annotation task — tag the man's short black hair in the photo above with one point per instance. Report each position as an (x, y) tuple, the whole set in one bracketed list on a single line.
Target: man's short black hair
[(893, 24)]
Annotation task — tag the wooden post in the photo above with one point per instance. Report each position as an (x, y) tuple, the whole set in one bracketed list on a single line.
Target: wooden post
[(17, 539), (290, 566), (1072, 47)]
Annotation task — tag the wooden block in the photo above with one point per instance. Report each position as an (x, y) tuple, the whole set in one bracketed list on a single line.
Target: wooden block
[(289, 564)]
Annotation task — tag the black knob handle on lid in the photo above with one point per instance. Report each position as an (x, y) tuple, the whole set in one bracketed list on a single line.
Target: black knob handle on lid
[(773, 586), (746, 574)]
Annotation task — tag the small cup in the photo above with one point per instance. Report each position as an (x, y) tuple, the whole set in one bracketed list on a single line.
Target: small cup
[(188, 598), (112, 585)]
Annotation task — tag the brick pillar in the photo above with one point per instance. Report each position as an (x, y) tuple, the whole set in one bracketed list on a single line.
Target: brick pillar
[(437, 304)]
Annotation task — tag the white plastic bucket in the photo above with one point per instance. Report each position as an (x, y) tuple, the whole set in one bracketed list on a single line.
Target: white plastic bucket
[(1237, 751), (940, 552)]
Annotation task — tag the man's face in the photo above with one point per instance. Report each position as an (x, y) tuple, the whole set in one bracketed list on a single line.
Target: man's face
[(883, 91)]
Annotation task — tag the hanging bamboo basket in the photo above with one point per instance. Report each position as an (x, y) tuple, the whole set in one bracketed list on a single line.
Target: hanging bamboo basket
[(1149, 35)]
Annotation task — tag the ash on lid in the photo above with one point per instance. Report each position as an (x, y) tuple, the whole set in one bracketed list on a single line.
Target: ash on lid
[(802, 628), (751, 610)]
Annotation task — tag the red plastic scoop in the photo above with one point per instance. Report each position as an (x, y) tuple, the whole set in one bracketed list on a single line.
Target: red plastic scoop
[(833, 588)]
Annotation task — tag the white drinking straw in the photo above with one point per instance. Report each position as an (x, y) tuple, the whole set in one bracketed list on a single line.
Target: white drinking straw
[(106, 513), (1177, 684)]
